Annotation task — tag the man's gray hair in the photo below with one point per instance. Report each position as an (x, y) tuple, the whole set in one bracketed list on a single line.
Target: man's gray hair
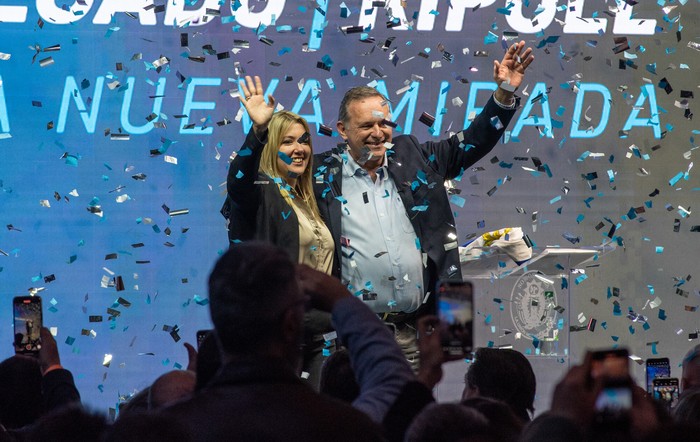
[(356, 94)]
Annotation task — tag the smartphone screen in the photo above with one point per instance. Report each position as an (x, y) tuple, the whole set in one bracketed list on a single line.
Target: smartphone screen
[(28, 323), (656, 368), (610, 364), (666, 390), (614, 402), (614, 399), (455, 301)]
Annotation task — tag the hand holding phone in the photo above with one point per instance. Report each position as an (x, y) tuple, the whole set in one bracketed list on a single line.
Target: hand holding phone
[(656, 368), (455, 300), (610, 369), (201, 336), (610, 364), (28, 323), (615, 397), (48, 353), (666, 391), (430, 349)]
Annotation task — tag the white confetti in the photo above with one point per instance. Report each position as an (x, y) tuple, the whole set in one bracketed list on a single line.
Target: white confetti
[(122, 198)]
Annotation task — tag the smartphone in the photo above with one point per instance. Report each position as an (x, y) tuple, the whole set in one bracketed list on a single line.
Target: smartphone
[(614, 398), (609, 365), (656, 368), (614, 402), (28, 323), (666, 391), (455, 308), (201, 336)]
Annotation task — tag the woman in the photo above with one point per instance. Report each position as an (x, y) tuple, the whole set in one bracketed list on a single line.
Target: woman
[(270, 198)]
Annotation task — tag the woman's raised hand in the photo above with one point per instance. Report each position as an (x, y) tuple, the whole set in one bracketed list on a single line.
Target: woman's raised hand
[(252, 97)]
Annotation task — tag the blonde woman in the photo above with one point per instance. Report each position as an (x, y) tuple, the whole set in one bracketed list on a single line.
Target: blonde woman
[(270, 198)]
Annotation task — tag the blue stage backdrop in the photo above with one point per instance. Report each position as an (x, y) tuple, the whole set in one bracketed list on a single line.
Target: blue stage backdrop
[(118, 118)]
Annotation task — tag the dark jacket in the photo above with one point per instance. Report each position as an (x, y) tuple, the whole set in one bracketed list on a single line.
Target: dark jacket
[(58, 389), (419, 172), (254, 207), (256, 210), (263, 400)]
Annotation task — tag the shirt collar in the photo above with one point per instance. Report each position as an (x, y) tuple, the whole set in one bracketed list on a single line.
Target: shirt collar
[(351, 168)]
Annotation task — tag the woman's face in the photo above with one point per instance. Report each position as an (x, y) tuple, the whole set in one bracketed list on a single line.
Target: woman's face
[(294, 153)]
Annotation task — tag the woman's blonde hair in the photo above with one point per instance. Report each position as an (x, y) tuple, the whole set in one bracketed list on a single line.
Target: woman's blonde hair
[(276, 130)]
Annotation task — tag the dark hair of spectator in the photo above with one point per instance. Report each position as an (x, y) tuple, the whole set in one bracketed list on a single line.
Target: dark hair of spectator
[(249, 289), (449, 423), (147, 427), (675, 432), (21, 401), (338, 377), (138, 403), (506, 375), (504, 424), (171, 387), (551, 428), (71, 423), (688, 407)]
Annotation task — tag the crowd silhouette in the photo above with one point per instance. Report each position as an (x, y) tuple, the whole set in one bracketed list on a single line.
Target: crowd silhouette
[(244, 384)]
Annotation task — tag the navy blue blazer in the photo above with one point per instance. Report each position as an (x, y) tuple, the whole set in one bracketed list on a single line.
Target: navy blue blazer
[(254, 206), (419, 171)]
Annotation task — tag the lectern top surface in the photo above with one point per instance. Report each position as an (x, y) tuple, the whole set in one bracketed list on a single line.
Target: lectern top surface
[(549, 261)]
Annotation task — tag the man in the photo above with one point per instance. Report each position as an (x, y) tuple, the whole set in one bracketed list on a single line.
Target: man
[(257, 302), (171, 387), (503, 374), (691, 369), (32, 387), (384, 201)]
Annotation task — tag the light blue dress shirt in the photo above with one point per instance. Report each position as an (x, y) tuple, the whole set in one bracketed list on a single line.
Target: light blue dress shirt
[(381, 261)]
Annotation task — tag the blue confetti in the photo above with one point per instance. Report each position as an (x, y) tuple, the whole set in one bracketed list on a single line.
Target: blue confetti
[(490, 38), (284, 157), (457, 200), (674, 180)]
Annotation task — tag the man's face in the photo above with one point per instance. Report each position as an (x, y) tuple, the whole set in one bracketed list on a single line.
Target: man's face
[(367, 128)]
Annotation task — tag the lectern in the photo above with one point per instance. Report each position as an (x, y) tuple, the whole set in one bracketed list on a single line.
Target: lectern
[(526, 307)]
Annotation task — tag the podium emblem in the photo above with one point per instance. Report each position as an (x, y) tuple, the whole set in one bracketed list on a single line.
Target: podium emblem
[(533, 306)]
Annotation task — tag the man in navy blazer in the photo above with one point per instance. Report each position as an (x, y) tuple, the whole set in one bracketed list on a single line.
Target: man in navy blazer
[(383, 197)]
